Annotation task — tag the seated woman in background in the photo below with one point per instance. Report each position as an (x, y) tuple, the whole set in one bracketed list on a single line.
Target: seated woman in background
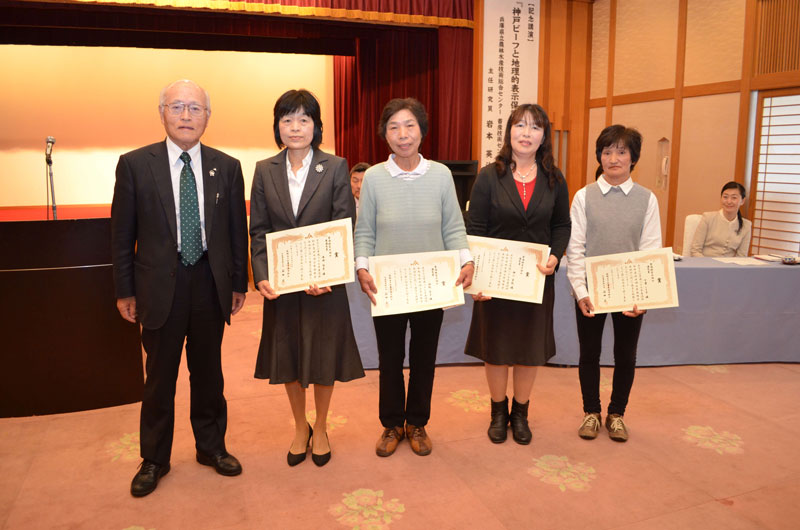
[(724, 232)]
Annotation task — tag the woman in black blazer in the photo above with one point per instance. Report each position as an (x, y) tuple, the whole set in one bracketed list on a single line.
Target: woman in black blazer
[(521, 196), (306, 337)]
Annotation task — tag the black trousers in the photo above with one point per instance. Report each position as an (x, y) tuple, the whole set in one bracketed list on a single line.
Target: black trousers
[(590, 336), (195, 317), (393, 407)]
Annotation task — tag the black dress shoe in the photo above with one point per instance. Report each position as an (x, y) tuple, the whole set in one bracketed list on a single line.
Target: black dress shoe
[(293, 459), (225, 463), (146, 479), (321, 460)]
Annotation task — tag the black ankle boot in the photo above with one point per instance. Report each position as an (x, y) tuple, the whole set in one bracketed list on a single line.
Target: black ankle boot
[(498, 429), (519, 423)]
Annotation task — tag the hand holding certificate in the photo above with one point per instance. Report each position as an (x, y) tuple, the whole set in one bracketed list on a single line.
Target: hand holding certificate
[(416, 282), (320, 254), (507, 269), (646, 279)]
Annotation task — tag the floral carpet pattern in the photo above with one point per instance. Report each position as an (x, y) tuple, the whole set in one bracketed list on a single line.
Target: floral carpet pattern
[(558, 471), (714, 369), (126, 448), (365, 509), (334, 422), (469, 400), (706, 437)]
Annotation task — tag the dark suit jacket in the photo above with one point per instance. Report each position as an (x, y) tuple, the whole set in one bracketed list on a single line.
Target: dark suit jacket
[(326, 197), (495, 210), (144, 230)]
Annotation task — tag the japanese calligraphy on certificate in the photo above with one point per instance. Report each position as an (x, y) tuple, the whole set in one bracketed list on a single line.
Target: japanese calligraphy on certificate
[(319, 254), (416, 282), (618, 281), (507, 269)]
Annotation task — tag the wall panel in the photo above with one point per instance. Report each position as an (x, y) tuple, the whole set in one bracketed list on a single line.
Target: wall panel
[(646, 40), (601, 20), (654, 121), (707, 154), (714, 41)]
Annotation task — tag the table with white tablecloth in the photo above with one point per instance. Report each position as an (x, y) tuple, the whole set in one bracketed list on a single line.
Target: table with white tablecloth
[(728, 314)]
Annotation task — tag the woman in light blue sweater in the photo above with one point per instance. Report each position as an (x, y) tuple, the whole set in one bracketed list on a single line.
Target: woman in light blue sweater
[(408, 204)]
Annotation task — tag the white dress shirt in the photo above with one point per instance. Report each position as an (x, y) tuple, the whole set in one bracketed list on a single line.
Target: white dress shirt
[(297, 181), (175, 166), (576, 249)]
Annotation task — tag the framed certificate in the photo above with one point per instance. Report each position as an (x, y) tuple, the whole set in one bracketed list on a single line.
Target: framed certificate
[(320, 254), (507, 269), (645, 278), (416, 282)]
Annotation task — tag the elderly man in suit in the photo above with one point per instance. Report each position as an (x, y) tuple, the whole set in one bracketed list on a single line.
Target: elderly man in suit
[(179, 244)]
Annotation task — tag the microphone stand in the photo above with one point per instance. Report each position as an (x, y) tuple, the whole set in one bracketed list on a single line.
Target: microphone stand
[(49, 161)]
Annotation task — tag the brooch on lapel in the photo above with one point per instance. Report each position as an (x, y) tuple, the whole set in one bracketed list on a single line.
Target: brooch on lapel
[(212, 172), (318, 168)]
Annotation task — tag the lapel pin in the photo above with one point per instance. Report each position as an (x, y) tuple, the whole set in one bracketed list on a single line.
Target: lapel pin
[(318, 168), (212, 172)]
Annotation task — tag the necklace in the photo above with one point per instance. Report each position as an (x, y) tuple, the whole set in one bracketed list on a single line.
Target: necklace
[(522, 179)]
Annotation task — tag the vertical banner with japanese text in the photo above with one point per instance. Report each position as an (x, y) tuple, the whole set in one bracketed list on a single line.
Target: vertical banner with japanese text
[(510, 67)]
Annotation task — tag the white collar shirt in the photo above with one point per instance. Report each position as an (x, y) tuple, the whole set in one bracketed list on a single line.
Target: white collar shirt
[(297, 181), (605, 187), (175, 166), (397, 172)]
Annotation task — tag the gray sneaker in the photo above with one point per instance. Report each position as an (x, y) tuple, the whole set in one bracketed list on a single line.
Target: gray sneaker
[(590, 426), (616, 428)]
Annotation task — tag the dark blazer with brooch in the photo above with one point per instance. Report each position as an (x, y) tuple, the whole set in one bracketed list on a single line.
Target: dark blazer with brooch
[(326, 197), (495, 210), (144, 230)]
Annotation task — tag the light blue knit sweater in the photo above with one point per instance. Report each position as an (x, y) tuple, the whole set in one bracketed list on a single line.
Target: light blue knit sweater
[(397, 216)]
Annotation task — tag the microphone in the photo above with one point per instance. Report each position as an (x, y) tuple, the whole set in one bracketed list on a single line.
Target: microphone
[(48, 151)]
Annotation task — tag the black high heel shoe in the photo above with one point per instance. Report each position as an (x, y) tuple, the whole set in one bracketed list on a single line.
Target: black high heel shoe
[(294, 459), (321, 460)]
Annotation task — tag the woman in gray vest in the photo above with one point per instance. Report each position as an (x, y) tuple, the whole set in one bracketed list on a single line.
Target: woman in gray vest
[(609, 216)]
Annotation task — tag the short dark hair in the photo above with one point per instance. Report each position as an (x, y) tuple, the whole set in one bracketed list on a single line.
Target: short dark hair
[(289, 103), (398, 104), (360, 168), (619, 134)]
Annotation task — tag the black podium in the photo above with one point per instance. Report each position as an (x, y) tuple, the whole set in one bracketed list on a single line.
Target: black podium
[(63, 345)]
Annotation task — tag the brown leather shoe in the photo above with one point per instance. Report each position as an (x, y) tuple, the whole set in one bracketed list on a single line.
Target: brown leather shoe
[(388, 441), (420, 441)]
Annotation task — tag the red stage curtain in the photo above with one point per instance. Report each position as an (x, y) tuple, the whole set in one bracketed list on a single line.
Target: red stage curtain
[(454, 112), (434, 66)]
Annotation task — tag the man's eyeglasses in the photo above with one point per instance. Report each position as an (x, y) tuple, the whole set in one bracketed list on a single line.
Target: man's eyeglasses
[(176, 109)]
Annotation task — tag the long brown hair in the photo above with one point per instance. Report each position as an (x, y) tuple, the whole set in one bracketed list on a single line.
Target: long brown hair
[(544, 155)]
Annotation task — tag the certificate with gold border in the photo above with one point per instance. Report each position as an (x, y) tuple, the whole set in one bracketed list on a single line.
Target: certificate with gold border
[(645, 278), (408, 283), (320, 254), (507, 269)]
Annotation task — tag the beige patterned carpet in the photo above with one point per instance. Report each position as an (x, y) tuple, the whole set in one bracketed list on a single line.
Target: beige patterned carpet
[(711, 447)]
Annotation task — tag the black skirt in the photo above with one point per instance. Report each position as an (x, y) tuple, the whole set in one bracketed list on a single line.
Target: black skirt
[(507, 332), (308, 339)]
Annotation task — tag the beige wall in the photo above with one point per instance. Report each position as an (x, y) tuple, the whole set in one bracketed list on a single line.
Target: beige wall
[(101, 102), (654, 121), (707, 160), (714, 41), (645, 60), (646, 40)]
